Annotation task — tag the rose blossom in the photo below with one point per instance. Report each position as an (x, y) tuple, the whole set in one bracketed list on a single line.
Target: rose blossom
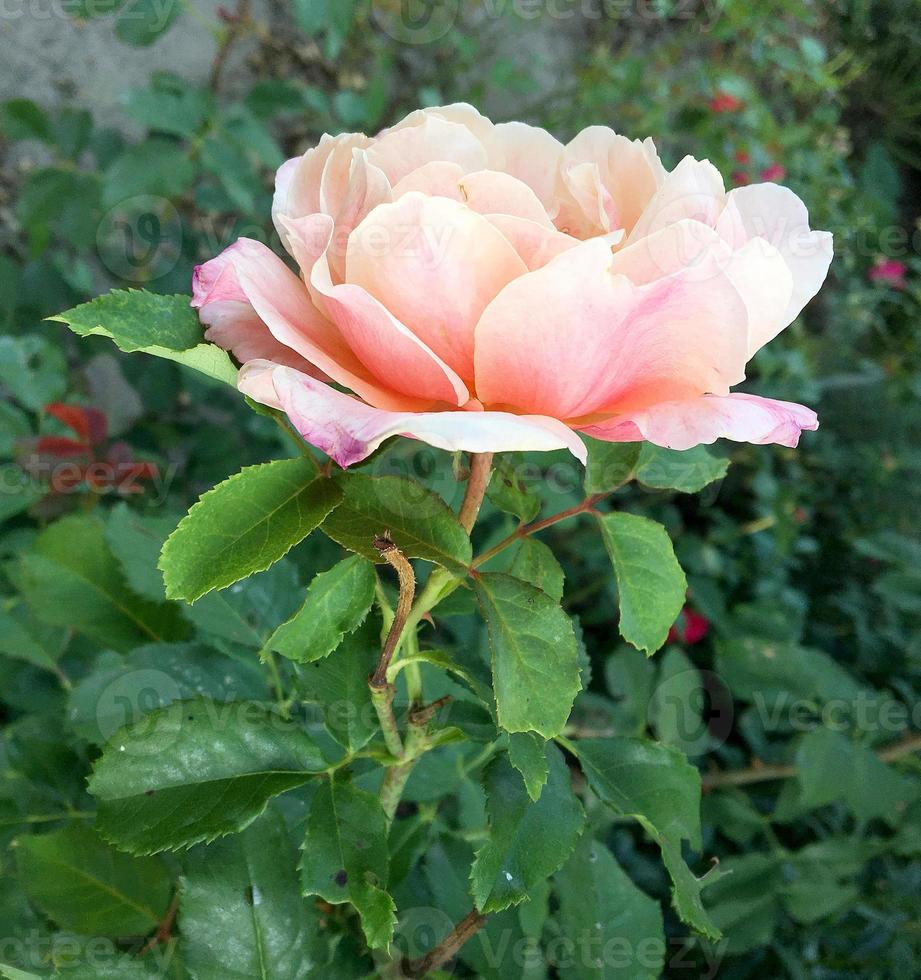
[(484, 287)]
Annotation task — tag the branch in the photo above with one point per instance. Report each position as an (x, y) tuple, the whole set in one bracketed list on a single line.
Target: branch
[(764, 774), (526, 530), (237, 23), (468, 927)]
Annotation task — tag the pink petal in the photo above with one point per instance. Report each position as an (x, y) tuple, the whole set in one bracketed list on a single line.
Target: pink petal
[(384, 345), (700, 421), (756, 269), (440, 178), (534, 243), (349, 430), (776, 214), (694, 189), (231, 321), (572, 338), (435, 265), (283, 304)]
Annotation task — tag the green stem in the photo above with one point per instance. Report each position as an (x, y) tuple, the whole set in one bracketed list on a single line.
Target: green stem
[(382, 699)]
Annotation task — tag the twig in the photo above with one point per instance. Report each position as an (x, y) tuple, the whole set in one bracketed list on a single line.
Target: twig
[(165, 929), (468, 927), (763, 774), (237, 23), (525, 530)]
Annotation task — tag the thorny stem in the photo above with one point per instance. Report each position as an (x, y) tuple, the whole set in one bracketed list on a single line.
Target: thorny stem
[(468, 927), (165, 928)]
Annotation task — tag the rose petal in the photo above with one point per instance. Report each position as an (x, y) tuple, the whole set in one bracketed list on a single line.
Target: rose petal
[(399, 152), (700, 421), (435, 265), (283, 304), (384, 345), (529, 153), (492, 192), (776, 214), (535, 244), (349, 430), (572, 338)]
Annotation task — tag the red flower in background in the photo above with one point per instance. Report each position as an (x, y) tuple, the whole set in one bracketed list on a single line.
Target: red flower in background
[(740, 178), (724, 102), (889, 271), (67, 462), (775, 172), (743, 156), (690, 628)]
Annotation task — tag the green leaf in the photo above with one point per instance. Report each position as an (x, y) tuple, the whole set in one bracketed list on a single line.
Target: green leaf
[(121, 690), (339, 686), (71, 578), (420, 523), (242, 912), (157, 167), (744, 902), (178, 111), (195, 771), (534, 562), (688, 471), (135, 540), (528, 840), (527, 752), (25, 638), (676, 709), (23, 119), (19, 490), (511, 490), (141, 22), (33, 370), (655, 785), (85, 885), (602, 909), (337, 603), (630, 677), (535, 656), (650, 582), (610, 464), (136, 320), (346, 858), (244, 525)]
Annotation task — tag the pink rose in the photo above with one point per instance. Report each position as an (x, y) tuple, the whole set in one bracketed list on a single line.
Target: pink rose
[(484, 287)]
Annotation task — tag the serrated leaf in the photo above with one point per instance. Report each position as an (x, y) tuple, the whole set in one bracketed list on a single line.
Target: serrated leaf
[(242, 912), (535, 656), (244, 525), (534, 562), (420, 523), (136, 319), (71, 578), (528, 840), (527, 752), (650, 583), (654, 784), (687, 471), (85, 885), (602, 909), (337, 603), (26, 638), (195, 771), (346, 858), (610, 464), (339, 686)]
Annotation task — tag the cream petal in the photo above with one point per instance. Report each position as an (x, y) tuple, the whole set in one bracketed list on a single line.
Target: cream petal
[(401, 151)]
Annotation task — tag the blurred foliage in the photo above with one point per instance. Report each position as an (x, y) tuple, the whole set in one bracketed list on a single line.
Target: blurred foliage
[(805, 563)]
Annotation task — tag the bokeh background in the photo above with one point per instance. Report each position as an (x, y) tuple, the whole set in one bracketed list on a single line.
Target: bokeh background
[(139, 137)]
